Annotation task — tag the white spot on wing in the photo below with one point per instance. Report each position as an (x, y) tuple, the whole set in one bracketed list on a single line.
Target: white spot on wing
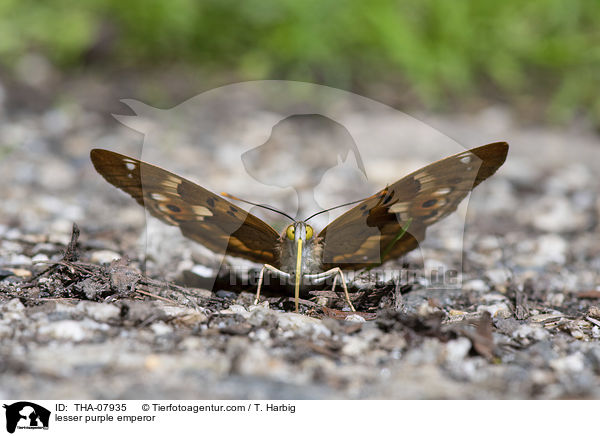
[(158, 197), (202, 211), (443, 191), (398, 207), (424, 177), (171, 183)]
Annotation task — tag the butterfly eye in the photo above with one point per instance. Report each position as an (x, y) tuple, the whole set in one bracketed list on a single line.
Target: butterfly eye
[(309, 232), (290, 232)]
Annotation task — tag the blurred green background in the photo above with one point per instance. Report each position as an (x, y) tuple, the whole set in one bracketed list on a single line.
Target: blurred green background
[(541, 57)]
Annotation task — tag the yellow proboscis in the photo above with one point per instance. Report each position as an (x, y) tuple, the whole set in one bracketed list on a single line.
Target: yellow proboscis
[(298, 270)]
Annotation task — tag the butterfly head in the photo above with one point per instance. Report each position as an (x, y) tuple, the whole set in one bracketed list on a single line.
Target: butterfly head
[(299, 231), (299, 249)]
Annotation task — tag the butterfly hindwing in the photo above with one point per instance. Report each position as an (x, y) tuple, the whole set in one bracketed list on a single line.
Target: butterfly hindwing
[(200, 214), (394, 220)]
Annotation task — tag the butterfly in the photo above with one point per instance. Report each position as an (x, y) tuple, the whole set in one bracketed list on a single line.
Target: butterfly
[(384, 226)]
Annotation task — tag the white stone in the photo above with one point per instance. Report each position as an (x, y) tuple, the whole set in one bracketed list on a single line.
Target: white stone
[(17, 259), (203, 271), (457, 349), (261, 335), (577, 334), (555, 214), (572, 177), (496, 310), (104, 256), (160, 328), (41, 257), (14, 305), (354, 346), (301, 324), (185, 315), (545, 249), (67, 308), (552, 248), (571, 363), (493, 298), (476, 285), (530, 332), (556, 299), (71, 330), (498, 276), (99, 311), (354, 318), (239, 309), (488, 243)]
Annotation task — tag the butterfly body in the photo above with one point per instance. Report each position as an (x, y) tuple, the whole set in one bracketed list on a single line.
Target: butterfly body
[(382, 227), (311, 254)]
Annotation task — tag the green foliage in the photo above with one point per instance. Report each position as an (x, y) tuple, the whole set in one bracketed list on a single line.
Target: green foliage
[(542, 49)]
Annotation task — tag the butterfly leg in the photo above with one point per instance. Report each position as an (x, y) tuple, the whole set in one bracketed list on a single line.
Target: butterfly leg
[(335, 272), (272, 269)]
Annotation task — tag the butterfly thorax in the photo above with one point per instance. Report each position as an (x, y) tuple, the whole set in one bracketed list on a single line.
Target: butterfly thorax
[(312, 249)]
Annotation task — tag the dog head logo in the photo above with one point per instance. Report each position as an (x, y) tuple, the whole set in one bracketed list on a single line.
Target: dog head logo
[(26, 415)]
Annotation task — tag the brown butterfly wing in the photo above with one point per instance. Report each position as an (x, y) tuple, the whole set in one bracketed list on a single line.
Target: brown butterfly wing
[(371, 233), (200, 214)]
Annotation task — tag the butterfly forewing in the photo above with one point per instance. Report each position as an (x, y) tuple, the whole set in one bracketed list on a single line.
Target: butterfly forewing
[(200, 214), (393, 221)]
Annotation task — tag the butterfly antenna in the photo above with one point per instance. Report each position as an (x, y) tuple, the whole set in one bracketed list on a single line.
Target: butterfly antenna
[(341, 205), (264, 206)]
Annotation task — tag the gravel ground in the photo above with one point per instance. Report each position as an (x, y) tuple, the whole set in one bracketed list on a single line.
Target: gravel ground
[(523, 323)]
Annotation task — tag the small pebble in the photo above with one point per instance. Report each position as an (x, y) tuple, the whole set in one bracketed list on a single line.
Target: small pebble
[(577, 334), (354, 318), (457, 350), (556, 299), (477, 285), (498, 276), (568, 364), (99, 311), (160, 328), (20, 272), (454, 312), (261, 335), (203, 271), (17, 259), (354, 346), (301, 324), (13, 305), (499, 310), (70, 330), (104, 256), (229, 295), (239, 309), (556, 214), (39, 258), (530, 332)]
